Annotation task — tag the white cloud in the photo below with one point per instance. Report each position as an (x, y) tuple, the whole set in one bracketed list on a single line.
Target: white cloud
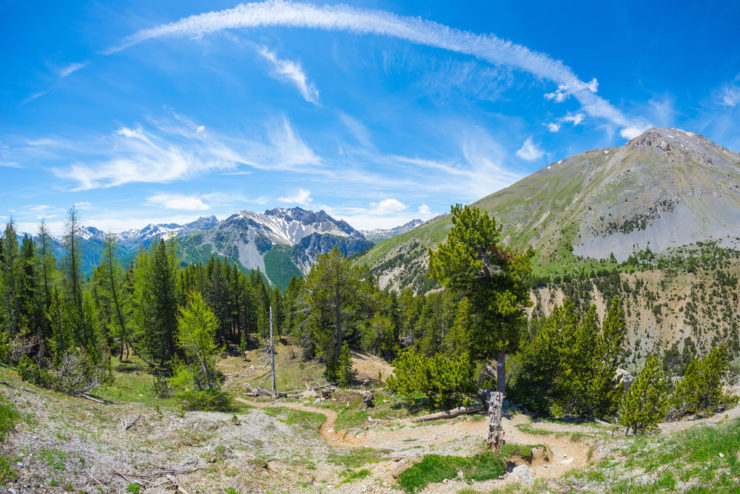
[(388, 213), (729, 95), (486, 47), (575, 119), (302, 197), (477, 172), (71, 68), (632, 132), (293, 72), (565, 90), (529, 150), (168, 151), (387, 206), (178, 201)]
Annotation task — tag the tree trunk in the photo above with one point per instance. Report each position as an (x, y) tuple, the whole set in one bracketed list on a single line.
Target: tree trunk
[(495, 432), (272, 358), (501, 372)]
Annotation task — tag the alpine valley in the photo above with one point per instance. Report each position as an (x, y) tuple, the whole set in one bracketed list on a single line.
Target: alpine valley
[(280, 243), (655, 222)]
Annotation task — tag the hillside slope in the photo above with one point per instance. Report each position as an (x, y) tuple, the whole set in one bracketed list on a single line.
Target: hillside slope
[(665, 188)]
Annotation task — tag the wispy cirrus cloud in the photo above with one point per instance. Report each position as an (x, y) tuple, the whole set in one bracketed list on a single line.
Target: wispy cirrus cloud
[(61, 74), (729, 94), (165, 151), (292, 72), (487, 47), (71, 68)]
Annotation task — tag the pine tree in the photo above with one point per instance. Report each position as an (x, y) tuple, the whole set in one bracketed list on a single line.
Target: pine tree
[(604, 390), (472, 261), (646, 402), (155, 294), (10, 259), (47, 262), (331, 292), (30, 291), (458, 340), (700, 389), (345, 372)]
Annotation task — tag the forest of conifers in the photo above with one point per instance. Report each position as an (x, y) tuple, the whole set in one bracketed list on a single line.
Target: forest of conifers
[(62, 330)]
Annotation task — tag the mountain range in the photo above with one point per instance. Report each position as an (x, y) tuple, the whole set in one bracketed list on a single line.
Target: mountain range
[(280, 242), (663, 189), (655, 222)]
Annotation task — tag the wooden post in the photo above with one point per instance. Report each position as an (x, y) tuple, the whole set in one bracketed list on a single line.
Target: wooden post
[(272, 358), (495, 432)]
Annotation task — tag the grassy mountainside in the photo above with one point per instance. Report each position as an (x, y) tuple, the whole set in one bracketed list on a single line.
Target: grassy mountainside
[(663, 189)]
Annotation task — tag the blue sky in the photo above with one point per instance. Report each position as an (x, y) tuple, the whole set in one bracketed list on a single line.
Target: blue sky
[(376, 111)]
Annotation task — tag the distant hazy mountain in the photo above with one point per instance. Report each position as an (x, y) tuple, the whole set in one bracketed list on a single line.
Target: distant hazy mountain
[(279, 242), (383, 234), (665, 188)]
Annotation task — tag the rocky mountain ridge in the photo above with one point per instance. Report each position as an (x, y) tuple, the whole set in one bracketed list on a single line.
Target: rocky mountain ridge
[(661, 190)]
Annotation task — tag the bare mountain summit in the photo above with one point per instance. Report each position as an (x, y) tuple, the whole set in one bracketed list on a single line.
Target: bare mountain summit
[(665, 188)]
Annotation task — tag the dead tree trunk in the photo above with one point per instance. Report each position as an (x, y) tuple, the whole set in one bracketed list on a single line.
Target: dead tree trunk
[(495, 402), (272, 358)]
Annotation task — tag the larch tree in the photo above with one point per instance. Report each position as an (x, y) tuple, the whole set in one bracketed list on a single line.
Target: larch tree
[(493, 277), (114, 285)]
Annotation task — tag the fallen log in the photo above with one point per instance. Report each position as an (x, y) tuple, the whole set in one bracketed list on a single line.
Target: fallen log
[(133, 423), (448, 414)]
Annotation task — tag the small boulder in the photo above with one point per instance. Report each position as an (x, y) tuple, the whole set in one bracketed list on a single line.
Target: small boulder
[(523, 473)]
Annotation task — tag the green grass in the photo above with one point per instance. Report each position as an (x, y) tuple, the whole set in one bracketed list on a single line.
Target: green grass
[(436, 468), (357, 457), (8, 418), (133, 382), (523, 450), (705, 457), (54, 458), (354, 476), (290, 416)]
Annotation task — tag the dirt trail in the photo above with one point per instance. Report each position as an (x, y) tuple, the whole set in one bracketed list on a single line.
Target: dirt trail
[(563, 456), (679, 425), (327, 428)]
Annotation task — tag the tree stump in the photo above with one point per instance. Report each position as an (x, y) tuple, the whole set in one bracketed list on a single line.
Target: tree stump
[(495, 432), (368, 401)]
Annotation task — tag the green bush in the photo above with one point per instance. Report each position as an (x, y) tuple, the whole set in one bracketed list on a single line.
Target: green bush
[(8, 418), (646, 402), (700, 390), (206, 399), (29, 371), (446, 381)]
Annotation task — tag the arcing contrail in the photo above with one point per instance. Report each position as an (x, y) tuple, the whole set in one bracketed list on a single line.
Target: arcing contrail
[(487, 47)]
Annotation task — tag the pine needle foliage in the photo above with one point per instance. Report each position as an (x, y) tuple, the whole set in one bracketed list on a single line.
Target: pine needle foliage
[(646, 402)]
